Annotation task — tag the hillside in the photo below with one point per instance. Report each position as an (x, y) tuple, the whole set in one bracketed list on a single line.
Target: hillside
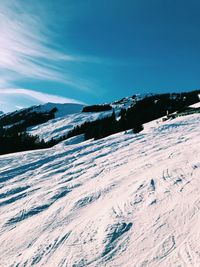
[(130, 112), (44, 126), (48, 111), (60, 126), (61, 109), (125, 200)]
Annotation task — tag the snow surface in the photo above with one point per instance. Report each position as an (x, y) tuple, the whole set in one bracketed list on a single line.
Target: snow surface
[(60, 126), (62, 109), (126, 200), (196, 105), (67, 118)]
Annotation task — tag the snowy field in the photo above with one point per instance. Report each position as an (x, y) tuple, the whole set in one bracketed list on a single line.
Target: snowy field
[(126, 200)]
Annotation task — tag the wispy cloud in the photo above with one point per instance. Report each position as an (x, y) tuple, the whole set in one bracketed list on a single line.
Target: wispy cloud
[(43, 97), (26, 49)]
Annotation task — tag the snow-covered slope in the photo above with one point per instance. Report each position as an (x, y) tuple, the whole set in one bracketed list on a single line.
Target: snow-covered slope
[(62, 109), (59, 111), (126, 200), (66, 121), (197, 105), (62, 125)]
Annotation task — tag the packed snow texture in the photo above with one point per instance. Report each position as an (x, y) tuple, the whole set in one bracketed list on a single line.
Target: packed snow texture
[(126, 200)]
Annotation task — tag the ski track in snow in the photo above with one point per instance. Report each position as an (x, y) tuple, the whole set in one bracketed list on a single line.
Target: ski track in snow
[(126, 200)]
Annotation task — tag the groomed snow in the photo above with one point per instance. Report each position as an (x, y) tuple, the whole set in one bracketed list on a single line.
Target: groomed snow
[(126, 200)]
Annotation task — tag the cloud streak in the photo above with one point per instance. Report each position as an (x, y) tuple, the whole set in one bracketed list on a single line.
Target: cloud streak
[(25, 50)]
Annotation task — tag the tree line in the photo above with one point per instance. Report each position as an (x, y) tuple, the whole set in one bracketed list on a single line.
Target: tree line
[(21, 141), (97, 108), (143, 111), (13, 135), (15, 138)]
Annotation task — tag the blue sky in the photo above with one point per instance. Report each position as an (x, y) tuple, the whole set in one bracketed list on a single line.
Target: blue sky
[(96, 51)]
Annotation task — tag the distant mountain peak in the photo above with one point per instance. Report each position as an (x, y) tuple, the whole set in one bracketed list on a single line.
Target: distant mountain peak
[(61, 109)]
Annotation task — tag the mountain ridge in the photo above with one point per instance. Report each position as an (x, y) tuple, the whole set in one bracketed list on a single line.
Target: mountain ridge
[(46, 125)]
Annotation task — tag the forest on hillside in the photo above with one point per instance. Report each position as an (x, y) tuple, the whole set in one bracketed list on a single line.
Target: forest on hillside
[(13, 135), (143, 111), (14, 138)]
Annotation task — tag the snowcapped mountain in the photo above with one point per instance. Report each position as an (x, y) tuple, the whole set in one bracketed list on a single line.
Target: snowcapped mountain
[(128, 101), (40, 113), (56, 120), (65, 117), (12, 99), (64, 121), (61, 109), (125, 200), (58, 127)]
